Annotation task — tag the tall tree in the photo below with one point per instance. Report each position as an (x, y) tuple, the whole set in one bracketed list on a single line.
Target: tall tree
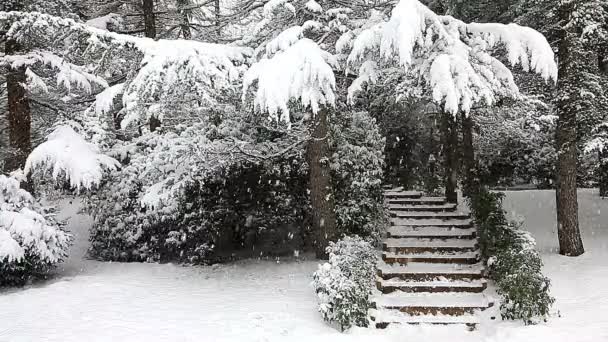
[(449, 130), (571, 66)]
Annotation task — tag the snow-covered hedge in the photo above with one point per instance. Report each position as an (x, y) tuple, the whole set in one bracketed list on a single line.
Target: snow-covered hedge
[(31, 240), (513, 261), (344, 283)]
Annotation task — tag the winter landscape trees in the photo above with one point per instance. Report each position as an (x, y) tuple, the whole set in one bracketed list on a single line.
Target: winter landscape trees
[(206, 131)]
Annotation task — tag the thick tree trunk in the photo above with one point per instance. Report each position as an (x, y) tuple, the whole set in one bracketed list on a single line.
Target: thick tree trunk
[(19, 114), (149, 18), (570, 242), (449, 129), (468, 156), (321, 196), (603, 156)]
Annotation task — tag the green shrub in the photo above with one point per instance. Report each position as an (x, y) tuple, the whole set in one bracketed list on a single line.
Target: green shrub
[(344, 284), (513, 262)]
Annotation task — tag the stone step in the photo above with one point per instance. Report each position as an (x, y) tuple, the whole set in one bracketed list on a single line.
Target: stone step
[(430, 271), (417, 245), (446, 207), (431, 232), (432, 286), (430, 215), (398, 221), (402, 194), (417, 201), (383, 318), (423, 303), (434, 258)]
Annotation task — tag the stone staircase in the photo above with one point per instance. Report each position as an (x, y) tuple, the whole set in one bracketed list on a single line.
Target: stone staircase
[(430, 270)]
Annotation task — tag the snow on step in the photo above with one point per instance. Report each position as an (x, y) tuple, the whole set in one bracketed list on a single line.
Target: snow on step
[(442, 282), (430, 215), (431, 231), (397, 317), (397, 221), (432, 300), (429, 243), (406, 194), (454, 257), (422, 207), (425, 200), (430, 268)]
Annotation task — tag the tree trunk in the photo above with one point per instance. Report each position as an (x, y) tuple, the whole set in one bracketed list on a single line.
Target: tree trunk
[(468, 156), (150, 32), (184, 13), (603, 156), (218, 28), (19, 114), (570, 47), (149, 18), (450, 146), (321, 197)]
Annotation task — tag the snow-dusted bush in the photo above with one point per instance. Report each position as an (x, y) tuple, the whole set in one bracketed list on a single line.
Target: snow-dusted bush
[(344, 284), (513, 262), (357, 168), (31, 240)]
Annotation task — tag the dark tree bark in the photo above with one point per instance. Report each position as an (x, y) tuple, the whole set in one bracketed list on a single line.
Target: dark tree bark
[(449, 129), (218, 22), (321, 196), (468, 156), (603, 156), (184, 13), (149, 18), (19, 113), (150, 32), (570, 49)]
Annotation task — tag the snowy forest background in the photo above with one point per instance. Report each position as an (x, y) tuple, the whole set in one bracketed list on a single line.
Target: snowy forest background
[(206, 131), (200, 132)]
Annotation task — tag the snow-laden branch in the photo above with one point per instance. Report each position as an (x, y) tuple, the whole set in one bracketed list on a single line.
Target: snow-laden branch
[(453, 58), (167, 70), (302, 72), (67, 154), (67, 74)]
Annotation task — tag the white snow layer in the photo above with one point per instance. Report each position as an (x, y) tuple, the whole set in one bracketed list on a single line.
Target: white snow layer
[(23, 230), (273, 301), (300, 72), (453, 57), (67, 154)]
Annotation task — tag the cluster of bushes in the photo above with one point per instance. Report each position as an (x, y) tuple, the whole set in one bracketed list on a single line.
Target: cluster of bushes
[(202, 214), (344, 284), (32, 241), (513, 262)]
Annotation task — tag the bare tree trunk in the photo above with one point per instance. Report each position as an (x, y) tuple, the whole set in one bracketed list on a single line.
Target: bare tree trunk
[(321, 196), (468, 154), (218, 29), (185, 13), (570, 47), (19, 113), (450, 145), (149, 18), (603, 156), (150, 32)]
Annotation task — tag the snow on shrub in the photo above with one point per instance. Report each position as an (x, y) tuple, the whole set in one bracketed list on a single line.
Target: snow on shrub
[(344, 283), (31, 240), (357, 166), (513, 261)]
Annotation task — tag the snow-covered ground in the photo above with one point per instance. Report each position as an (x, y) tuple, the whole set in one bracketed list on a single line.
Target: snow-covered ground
[(269, 300)]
